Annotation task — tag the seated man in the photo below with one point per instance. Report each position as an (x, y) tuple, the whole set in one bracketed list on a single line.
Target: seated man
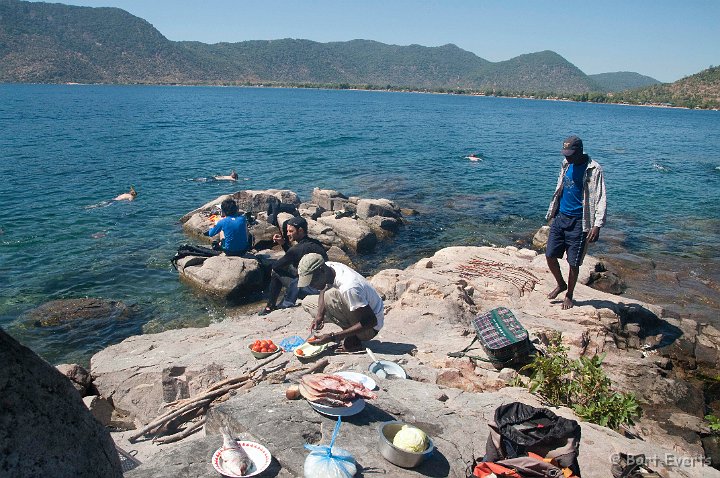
[(346, 298), (284, 270), (234, 229)]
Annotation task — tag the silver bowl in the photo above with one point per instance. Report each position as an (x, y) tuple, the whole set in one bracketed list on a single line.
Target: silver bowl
[(387, 369), (395, 455)]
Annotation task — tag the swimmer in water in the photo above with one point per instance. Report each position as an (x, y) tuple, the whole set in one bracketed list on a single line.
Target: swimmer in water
[(128, 196), (233, 176), (474, 157)]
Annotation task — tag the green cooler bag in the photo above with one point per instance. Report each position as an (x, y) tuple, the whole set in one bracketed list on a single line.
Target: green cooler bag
[(502, 337)]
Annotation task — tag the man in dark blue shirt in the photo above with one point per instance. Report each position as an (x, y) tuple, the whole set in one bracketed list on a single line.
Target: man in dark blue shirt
[(577, 211), (234, 228)]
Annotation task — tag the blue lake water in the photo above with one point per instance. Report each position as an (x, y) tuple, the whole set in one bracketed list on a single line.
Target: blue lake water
[(65, 151)]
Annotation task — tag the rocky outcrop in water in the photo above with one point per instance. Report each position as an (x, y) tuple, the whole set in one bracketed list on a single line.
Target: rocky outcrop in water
[(57, 312), (45, 429), (223, 277), (428, 307), (343, 225)]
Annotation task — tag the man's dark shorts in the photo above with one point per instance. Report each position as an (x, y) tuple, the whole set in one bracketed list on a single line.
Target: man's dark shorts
[(566, 234)]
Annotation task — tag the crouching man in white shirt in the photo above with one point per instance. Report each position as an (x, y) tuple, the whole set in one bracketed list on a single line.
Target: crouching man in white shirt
[(346, 299)]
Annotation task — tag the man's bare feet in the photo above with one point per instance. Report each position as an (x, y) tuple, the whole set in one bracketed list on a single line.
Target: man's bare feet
[(556, 291), (568, 303)]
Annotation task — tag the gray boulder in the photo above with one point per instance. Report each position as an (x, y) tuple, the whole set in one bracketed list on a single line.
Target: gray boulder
[(383, 226), (258, 201), (541, 237), (205, 208), (100, 407), (367, 208), (309, 210), (46, 430), (79, 377), (324, 233), (607, 282), (197, 225), (262, 233), (336, 254), (329, 199), (223, 277), (356, 235)]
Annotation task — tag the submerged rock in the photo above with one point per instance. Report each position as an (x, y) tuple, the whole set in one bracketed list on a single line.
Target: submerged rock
[(57, 312)]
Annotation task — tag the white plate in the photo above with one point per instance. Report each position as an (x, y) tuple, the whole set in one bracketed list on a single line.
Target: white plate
[(358, 377), (310, 350), (357, 406), (259, 455)]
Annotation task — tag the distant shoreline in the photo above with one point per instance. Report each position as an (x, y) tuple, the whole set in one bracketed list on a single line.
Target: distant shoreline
[(389, 90)]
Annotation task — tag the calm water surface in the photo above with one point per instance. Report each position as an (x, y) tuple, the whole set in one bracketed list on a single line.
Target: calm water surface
[(65, 151)]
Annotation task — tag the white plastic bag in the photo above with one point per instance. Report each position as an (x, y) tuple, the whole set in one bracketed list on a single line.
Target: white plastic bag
[(328, 461)]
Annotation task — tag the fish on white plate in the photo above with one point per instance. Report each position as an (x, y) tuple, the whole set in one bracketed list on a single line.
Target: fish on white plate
[(235, 459)]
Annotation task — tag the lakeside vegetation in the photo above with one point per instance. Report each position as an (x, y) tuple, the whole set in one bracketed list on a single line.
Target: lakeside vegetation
[(674, 95)]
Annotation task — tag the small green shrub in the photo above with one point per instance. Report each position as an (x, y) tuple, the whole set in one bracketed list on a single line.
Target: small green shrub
[(713, 423), (581, 385)]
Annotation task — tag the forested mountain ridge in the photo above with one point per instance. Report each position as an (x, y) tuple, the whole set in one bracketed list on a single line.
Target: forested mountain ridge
[(622, 80), (701, 90), (56, 43)]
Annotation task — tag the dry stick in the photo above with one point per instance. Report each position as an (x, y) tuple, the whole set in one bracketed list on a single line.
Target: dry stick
[(241, 388), (514, 276), (197, 401), (166, 418), (229, 381), (318, 367), (179, 436)]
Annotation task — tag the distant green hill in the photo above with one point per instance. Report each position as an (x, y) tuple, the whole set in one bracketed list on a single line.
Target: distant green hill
[(622, 80), (56, 43), (701, 90), (52, 43)]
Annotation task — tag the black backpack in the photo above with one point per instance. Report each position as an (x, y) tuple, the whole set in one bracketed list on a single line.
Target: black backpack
[(519, 429), (190, 250)]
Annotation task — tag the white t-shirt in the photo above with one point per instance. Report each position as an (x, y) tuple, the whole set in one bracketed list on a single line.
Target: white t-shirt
[(357, 291)]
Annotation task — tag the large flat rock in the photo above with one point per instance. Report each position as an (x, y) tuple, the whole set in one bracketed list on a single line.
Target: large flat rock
[(427, 311)]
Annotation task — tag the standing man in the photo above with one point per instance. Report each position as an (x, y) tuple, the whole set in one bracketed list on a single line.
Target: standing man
[(346, 298), (577, 211), (284, 270)]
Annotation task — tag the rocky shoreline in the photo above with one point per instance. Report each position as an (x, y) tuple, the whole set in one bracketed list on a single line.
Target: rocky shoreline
[(647, 351), (428, 307)]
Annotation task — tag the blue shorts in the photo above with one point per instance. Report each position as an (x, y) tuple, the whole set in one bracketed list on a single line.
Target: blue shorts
[(566, 235)]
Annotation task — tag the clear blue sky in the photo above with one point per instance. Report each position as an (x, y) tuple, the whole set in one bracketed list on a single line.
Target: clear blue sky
[(665, 39)]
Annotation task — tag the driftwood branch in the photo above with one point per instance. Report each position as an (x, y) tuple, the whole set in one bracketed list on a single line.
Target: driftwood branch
[(318, 367), (166, 418), (242, 382), (179, 436)]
